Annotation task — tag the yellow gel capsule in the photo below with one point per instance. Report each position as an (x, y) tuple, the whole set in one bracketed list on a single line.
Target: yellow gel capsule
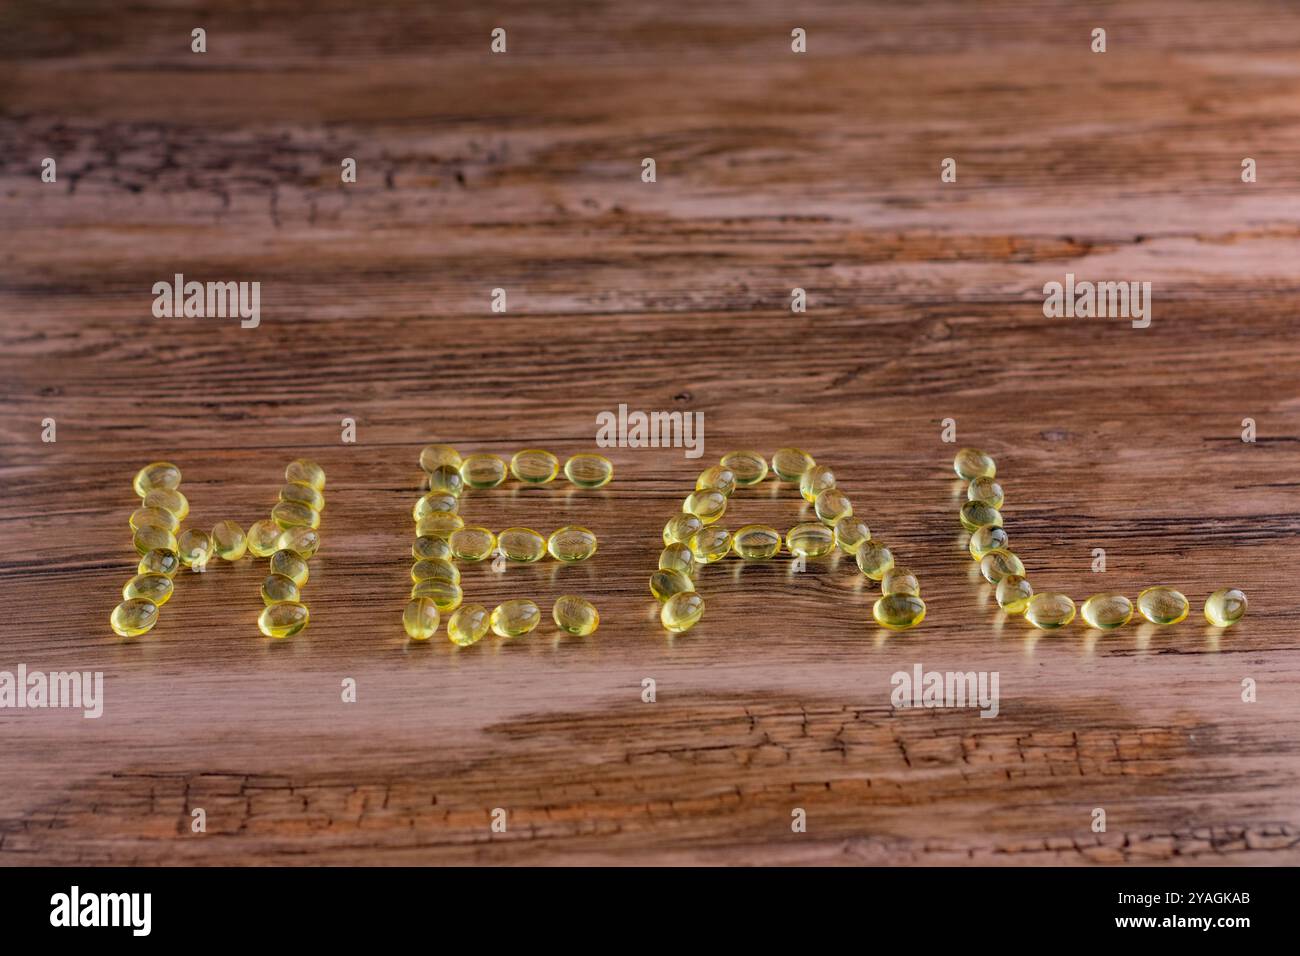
[(534, 466), (588, 470), (521, 544), (153, 518), (833, 506), (514, 618), (483, 471), (446, 594), (435, 501), (284, 619), (997, 564), (420, 619), (159, 561), (471, 544), (264, 538), (814, 481), (158, 474), (435, 569), (971, 463), (575, 615), (436, 456), (1106, 612), (194, 548), (708, 506), (681, 527), (291, 565), (278, 588), (985, 490), (571, 544), (304, 494), (446, 480), (228, 540), (850, 532), (133, 617), (681, 612), (168, 499), (899, 580), (665, 583), (810, 539), (439, 524), (677, 557), (1162, 605), (898, 612), (148, 539), (988, 538), (306, 471), (294, 514), (149, 587), (1049, 610), (431, 546), (789, 464), (302, 541), (716, 478), (709, 544), (976, 515), (747, 467), (1013, 593), (756, 542), (874, 559), (1225, 607), (468, 625)]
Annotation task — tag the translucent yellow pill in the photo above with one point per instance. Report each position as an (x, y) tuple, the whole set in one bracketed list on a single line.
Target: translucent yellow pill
[(294, 514), (708, 506), (898, 612), (468, 625), (228, 540), (436, 456), (168, 499), (1162, 605), (151, 587), (681, 527), (472, 544), (874, 559), (291, 565), (665, 583), (589, 470), (278, 588), (814, 481), (306, 471), (747, 467), (988, 538), (997, 564), (716, 478), (571, 544), (1049, 610), (810, 539), (420, 619), (850, 532), (284, 619), (264, 538), (446, 594), (521, 544), (1013, 593), (899, 580), (303, 494), (483, 471), (430, 569), (976, 515), (534, 466), (156, 475), (148, 539), (133, 617), (681, 612), (575, 615), (1225, 607), (431, 546), (833, 506), (789, 464), (677, 557), (972, 463), (514, 618), (435, 501), (439, 524), (153, 518), (446, 480), (194, 548), (159, 561), (756, 542), (709, 544), (1107, 611), (302, 541), (985, 490)]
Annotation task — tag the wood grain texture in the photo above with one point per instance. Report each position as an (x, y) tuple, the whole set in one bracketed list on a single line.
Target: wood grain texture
[(774, 171)]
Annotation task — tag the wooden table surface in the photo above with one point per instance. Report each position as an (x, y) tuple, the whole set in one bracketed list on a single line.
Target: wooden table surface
[(774, 170)]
